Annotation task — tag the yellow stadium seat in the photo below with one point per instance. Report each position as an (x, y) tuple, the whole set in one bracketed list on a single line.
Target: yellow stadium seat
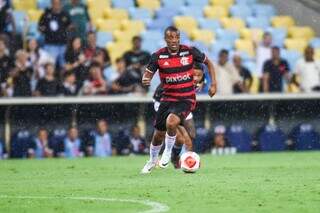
[(205, 36), (149, 4), (245, 46), (301, 32), (296, 44), (254, 34), (317, 54), (236, 24), (103, 4), (215, 12), (254, 89), (34, 15), (124, 36), (117, 49), (108, 25), (96, 13), (115, 13), (24, 5), (223, 3), (133, 26), (282, 21), (186, 23)]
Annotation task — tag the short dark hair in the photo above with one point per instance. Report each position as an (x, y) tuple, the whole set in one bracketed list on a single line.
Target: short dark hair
[(134, 38), (198, 66), (223, 51), (276, 48), (94, 65), (172, 29)]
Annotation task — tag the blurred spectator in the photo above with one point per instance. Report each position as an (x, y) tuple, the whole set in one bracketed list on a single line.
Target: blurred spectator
[(55, 24), (274, 70), (95, 85), (49, 85), (19, 143), (75, 59), (72, 146), (136, 57), (80, 18), (263, 52), (22, 73), (3, 152), (227, 75), (111, 73), (38, 58), (219, 139), (6, 62), (101, 58), (100, 144), (122, 142), (246, 78), (69, 86), (138, 143), (40, 147), (91, 50), (308, 71), (6, 18)]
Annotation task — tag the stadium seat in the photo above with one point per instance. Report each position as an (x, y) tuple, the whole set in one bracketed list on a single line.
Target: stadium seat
[(153, 35), (301, 32), (253, 34), (167, 13), (210, 24), (149, 4), (251, 66), (20, 141), (227, 35), (173, 4), (108, 25), (272, 138), (264, 10), (125, 4), (136, 26), (115, 13), (241, 11), (159, 24), (103, 38), (304, 137), (20, 18), (56, 139), (218, 45), (245, 46), (317, 54), (292, 56), (282, 21), (43, 4), (278, 36), (205, 36), (118, 35), (34, 15), (236, 24), (103, 4), (296, 44), (216, 12), (255, 87), (225, 3), (141, 14), (203, 47), (117, 49), (197, 3), (315, 42), (150, 45), (239, 138), (24, 5), (33, 31), (186, 24), (258, 22), (202, 140), (247, 2), (195, 12)]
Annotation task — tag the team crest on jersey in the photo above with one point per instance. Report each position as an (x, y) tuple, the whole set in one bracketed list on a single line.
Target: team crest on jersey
[(184, 61)]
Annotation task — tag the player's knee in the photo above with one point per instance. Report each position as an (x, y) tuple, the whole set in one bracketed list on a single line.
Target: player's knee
[(172, 122)]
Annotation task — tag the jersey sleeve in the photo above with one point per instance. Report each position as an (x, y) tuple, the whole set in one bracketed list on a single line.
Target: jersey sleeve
[(153, 63), (198, 56)]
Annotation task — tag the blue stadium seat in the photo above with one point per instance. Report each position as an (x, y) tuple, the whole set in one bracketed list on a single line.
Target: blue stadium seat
[(271, 138), (202, 140), (248, 2), (305, 137), (123, 3), (239, 138), (219, 45), (278, 35), (20, 18), (150, 45), (173, 3), (154, 35), (43, 4), (56, 139), (315, 43), (140, 14), (241, 11), (258, 22), (251, 66), (159, 23), (197, 3), (103, 38), (265, 10), (201, 46), (291, 56), (195, 12), (227, 35), (167, 13), (20, 142), (33, 31), (211, 24)]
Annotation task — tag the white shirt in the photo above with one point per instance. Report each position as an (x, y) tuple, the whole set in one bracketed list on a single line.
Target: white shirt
[(262, 55), (309, 73), (227, 76)]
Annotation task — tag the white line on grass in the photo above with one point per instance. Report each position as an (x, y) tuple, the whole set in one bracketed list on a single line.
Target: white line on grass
[(156, 207)]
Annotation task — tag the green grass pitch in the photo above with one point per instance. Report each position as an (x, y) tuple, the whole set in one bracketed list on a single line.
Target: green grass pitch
[(282, 182)]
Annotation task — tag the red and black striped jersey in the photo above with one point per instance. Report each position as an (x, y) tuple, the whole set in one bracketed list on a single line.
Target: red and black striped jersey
[(176, 72)]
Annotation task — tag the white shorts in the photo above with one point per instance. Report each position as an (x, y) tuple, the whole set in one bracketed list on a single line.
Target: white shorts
[(157, 104)]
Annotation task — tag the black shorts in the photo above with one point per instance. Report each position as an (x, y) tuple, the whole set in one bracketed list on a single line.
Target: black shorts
[(181, 109)]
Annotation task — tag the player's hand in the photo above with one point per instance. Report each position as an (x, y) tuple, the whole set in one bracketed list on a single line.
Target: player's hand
[(212, 90), (146, 81)]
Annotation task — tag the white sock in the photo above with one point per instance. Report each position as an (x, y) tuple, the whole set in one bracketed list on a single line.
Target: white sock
[(169, 140), (154, 152)]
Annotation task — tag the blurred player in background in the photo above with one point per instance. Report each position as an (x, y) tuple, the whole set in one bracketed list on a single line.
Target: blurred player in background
[(175, 65)]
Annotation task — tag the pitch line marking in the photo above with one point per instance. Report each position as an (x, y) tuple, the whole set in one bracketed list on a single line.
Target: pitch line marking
[(156, 207)]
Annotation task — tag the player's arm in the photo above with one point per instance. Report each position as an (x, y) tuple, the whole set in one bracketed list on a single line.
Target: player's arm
[(151, 68), (212, 73)]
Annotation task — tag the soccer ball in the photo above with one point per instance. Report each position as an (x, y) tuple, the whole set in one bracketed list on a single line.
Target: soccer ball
[(190, 162)]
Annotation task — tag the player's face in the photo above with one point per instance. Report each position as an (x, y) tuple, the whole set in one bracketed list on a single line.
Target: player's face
[(172, 39), (73, 133), (102, 127), (197, 76)]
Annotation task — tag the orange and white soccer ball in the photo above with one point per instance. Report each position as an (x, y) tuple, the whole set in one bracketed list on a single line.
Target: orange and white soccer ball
[(190, 162)]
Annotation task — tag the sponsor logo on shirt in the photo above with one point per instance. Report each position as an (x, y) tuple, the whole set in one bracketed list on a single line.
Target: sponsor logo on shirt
[(184, 53), (163, 56), (178, 78)]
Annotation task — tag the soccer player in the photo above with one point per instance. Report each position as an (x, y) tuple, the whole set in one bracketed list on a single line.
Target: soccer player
[(175, 65)]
